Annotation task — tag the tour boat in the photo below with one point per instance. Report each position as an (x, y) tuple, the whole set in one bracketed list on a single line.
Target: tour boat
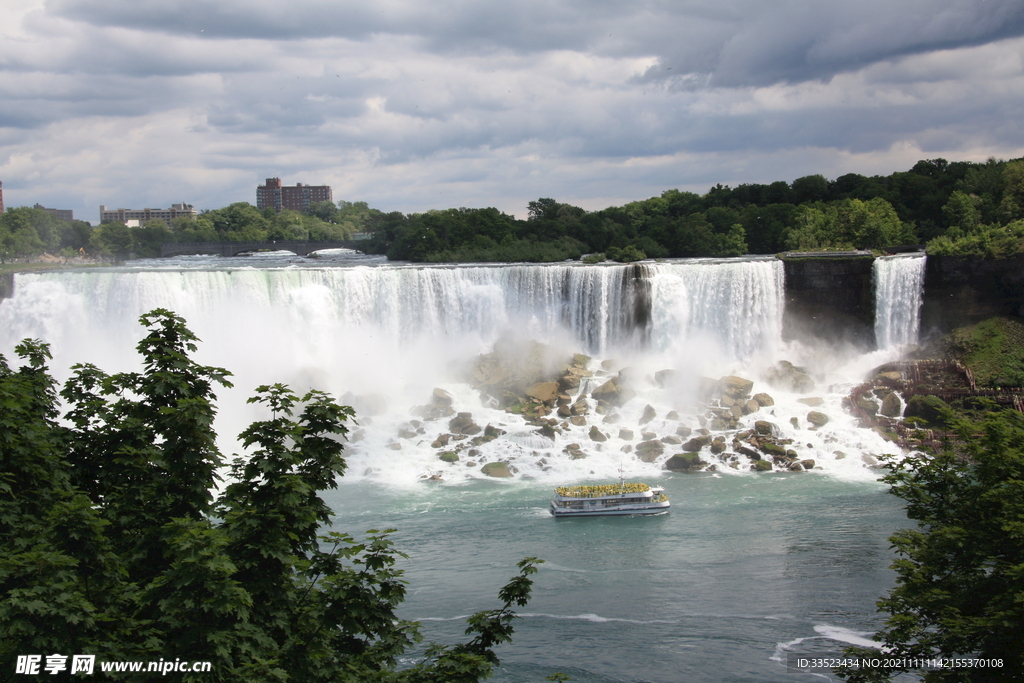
[(624, 498)]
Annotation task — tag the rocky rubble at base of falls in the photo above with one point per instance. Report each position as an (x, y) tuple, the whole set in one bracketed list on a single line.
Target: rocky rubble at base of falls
[(563, 399)]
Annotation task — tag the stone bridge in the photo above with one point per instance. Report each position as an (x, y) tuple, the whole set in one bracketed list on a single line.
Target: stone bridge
[(235, 248)]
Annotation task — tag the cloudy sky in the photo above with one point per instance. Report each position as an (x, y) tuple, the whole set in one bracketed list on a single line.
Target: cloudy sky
[(412, 105)]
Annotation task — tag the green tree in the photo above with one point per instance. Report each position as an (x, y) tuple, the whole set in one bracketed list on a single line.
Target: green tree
[(111, 541), (961, 213), (960, 574), (113, 238)]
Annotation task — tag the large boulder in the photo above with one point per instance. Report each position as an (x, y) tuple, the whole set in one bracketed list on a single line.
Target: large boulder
[(817, 419), (697, 443), (545, 392), (736, 387), (929, 408), (648, 451), (597, 435), (891, 405), (649, 414), (764, 400), (496, 469), (463, 423), (785, 375), (684, 462)]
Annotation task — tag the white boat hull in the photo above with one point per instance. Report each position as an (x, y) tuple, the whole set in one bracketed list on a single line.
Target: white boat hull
[(653, 509)]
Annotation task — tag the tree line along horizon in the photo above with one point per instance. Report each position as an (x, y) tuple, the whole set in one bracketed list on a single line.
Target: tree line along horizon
[(954, 207)]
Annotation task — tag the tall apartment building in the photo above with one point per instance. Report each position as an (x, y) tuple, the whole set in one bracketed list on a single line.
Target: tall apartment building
[(59, 214), (297, 197), (143, 215)]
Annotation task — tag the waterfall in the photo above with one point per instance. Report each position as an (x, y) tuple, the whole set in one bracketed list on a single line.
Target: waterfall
[(899, 283), (383, 337), (600, 308)]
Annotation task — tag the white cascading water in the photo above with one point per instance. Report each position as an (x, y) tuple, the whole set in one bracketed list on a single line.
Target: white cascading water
[(384, 336), (899, 282)]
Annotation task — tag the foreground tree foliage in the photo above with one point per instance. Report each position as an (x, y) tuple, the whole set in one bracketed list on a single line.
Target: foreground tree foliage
[(113, 544), (960, 574)]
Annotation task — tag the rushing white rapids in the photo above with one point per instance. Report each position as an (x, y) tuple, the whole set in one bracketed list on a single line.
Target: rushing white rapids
[(383, 337), (898, 286)]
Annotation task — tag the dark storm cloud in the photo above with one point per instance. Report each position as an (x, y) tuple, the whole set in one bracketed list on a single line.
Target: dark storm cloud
[(744, 42)]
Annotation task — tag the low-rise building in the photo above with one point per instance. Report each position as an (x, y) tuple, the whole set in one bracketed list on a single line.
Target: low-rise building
[(297, 197), (59, 214), (144, 215)]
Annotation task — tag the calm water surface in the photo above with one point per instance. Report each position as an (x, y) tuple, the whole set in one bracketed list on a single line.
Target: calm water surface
[(743, 568)]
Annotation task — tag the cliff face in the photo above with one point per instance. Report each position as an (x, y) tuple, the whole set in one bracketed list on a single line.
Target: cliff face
[(963, 290), (831, 298)]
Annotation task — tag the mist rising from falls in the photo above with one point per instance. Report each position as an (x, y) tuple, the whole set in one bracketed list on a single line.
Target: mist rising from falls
[(899, 285), (388, 335)]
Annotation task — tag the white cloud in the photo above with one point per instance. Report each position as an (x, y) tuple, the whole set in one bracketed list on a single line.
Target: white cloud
[(136, 103)]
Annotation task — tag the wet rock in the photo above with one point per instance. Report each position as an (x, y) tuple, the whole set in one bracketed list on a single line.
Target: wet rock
[(580, 407), (569, 383), (795, 421), (808, 464), (764, 400), (736, 387), (684, 462), (697, 443), (664, 378), (578, 420), (574, 451), (609, 392), (463, 423), (811, 401), (648, 451), (648, 436), (493, 432), (726, 401), (564, 410), (440, 397), (795, 467), (596, 435), (761, 466), (751, 406), (718, 425), (891, 405), (868, 405), (441, 441), (749, 452), (817, 419), (448, 456), (684, 431), (496, 469), (649, 414), (928, 408), (718, 445), (785, 375), (765, 427), (395, 446), (406, 433), (868, 459), (545, 392), (672, 415), (611, 418), (892, 376), (626, 434), (672, 440)]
